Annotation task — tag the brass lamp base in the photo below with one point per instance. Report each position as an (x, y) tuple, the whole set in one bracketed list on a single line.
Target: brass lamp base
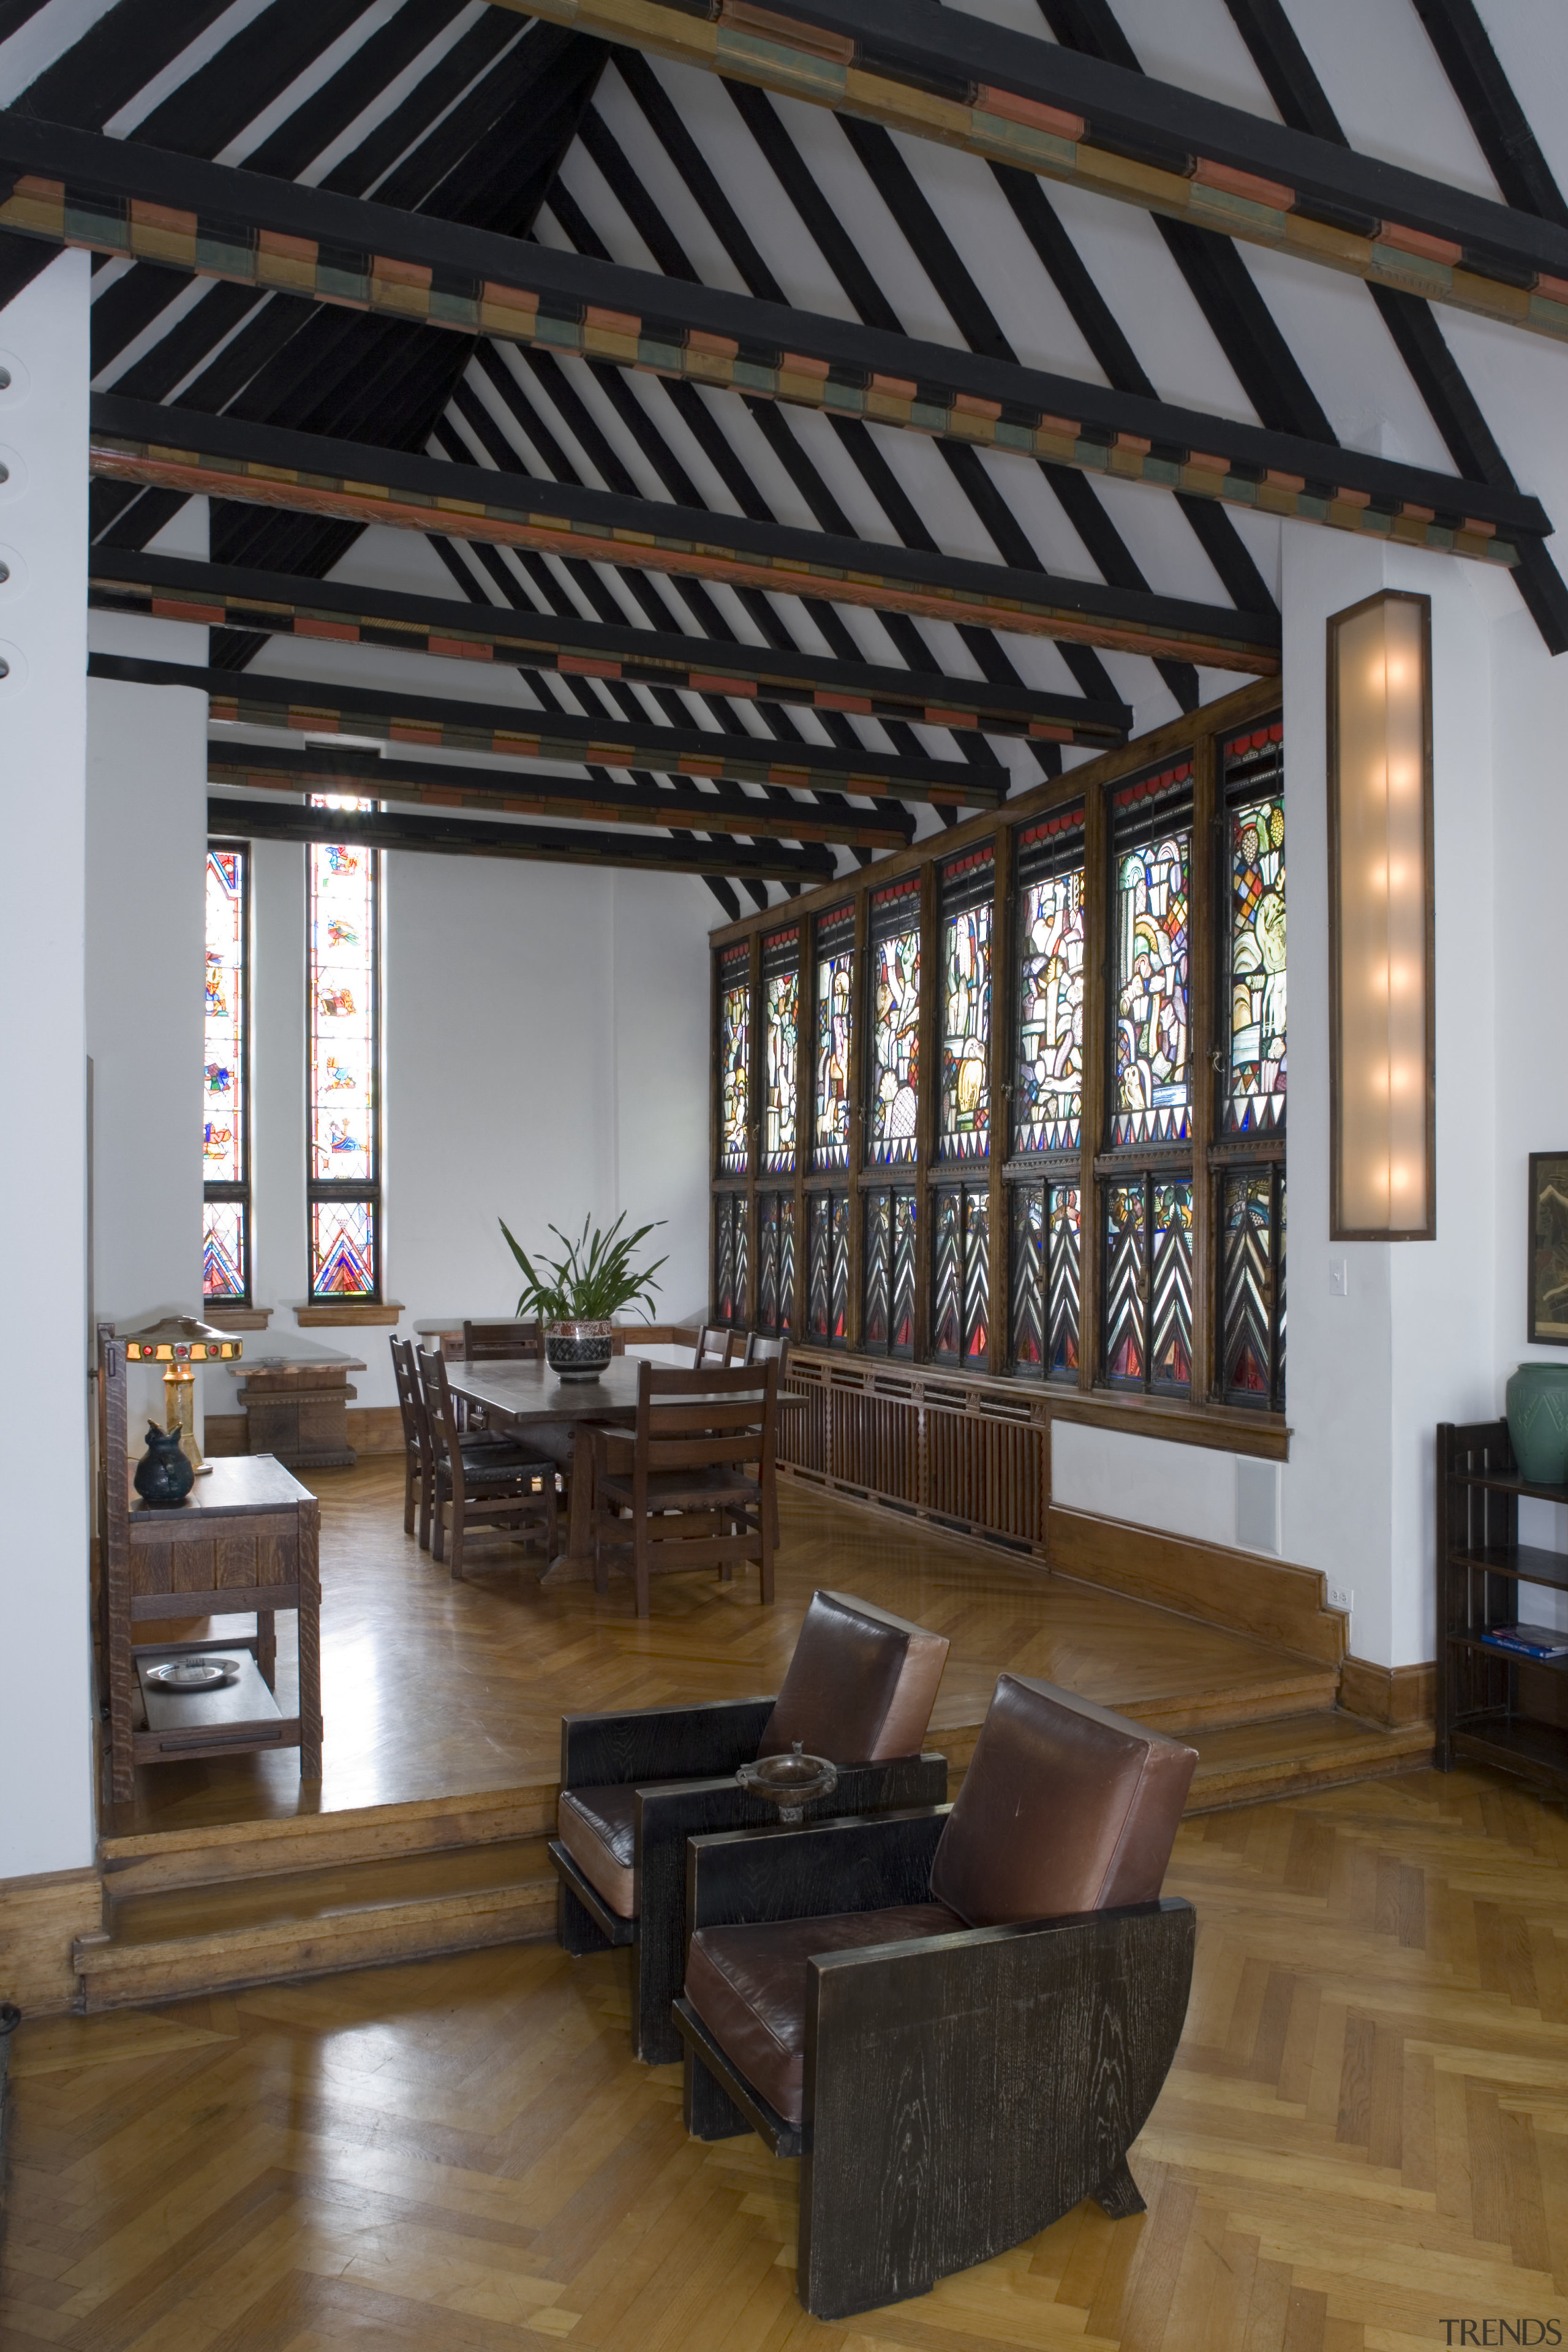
[(179, 1413)]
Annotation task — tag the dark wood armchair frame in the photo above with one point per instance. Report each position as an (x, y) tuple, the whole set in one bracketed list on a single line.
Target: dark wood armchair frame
[(962, 2091), (682, 1760)]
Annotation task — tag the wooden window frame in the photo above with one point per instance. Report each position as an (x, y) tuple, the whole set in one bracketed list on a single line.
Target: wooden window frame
[(323, 1191), (223, 1192), (1201, 1418)]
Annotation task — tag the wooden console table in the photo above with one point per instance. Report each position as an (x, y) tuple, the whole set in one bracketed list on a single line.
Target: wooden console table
[(299, 1411), (246, 1539)]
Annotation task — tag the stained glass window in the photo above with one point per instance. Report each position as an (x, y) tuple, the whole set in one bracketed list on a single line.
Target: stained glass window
[(734, 1059), (731, 1263), (888, 1322), (1252, 1289), (1151, 839), (1046, 1257), (834, 1001), (967, 901), (781, 1027), (961, 1273), (895, 1053), (1148, 1283), (1047, 1093), (775, 1262), (1254, 782), (827, 1267), (226, 1078), (343, 1082)]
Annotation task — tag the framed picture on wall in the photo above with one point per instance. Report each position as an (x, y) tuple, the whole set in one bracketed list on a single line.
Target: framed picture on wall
[(1549, 1248)]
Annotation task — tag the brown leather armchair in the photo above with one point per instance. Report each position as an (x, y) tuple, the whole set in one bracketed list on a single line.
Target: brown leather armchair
[(634, 1786), (960, 2016)]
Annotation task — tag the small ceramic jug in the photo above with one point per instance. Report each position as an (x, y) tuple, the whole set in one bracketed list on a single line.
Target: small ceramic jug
[(1537, 1397), (164, 1476)]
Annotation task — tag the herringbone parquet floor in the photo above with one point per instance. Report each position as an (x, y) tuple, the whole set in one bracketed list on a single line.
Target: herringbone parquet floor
[(1365, 2136)]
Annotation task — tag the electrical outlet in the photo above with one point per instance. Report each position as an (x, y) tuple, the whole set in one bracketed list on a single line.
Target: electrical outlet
[(1340, 1596), (1339, 1278)]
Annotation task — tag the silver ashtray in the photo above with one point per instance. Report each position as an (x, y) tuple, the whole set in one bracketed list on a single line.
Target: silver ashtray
[(791, 1782), (187, 1675)]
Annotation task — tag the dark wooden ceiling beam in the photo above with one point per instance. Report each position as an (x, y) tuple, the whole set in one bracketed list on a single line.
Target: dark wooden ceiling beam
[(113, 196), (442, 724), (944, 74), (179, 588), (264, 767), (555, 845), (227, 459)]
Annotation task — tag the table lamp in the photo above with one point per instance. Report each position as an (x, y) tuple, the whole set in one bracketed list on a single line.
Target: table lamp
[(178, 1341)]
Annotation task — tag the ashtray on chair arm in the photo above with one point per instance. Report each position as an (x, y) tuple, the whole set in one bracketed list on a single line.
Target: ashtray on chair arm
[(791, 1782)]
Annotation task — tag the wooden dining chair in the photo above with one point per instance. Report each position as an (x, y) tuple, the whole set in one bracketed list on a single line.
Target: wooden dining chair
[(761, 1350), (714, 1343), (505, 1486), (416, 1447), (517, 1342), (688, 1499)]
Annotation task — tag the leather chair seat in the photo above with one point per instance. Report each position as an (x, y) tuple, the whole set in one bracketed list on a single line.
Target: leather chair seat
[(488, 1465), (748, 1986), (598, 1829)]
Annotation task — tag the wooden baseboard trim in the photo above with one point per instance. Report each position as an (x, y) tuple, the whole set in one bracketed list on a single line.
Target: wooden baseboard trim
[(1391, 1695), (40, 1919), (1273, 1601)]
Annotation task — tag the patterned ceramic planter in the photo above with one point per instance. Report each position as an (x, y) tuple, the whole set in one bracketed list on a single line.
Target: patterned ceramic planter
[(578, 1351), (1537, 1398)]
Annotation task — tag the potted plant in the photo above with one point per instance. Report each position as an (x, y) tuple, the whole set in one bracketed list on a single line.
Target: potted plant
[(575, 1296)]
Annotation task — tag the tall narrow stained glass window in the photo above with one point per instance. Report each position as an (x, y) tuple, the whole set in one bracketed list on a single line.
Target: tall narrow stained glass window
[(893, 1088), (888, 1322), (827, 1267), (961, 1274), (1152, 843), (1046, 1256), (1252, 1289), (775, 1262), (834, 1016), (1254, 780), (1148, 1283), (731, 1265), (967, 899), (343, 1074), (734, 1059), (226, 1078), (781, 1041), (1048, 1092)]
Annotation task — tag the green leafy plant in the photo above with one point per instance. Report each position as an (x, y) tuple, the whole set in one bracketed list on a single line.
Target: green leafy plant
[(594, 1279)]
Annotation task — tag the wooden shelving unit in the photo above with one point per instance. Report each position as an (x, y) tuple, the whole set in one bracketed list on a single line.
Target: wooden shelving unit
[(1511, 1713)]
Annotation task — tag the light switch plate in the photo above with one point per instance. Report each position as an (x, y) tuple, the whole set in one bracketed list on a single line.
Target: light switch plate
[(1338, 1278)]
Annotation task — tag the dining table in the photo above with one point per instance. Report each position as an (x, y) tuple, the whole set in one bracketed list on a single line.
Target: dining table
[(524, 1394)]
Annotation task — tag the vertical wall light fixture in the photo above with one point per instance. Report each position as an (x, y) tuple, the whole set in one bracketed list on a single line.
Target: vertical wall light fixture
[(1382, 1180)]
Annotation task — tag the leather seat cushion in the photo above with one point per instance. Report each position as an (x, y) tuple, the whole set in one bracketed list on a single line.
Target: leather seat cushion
[(598, 1829), (748, 1986)]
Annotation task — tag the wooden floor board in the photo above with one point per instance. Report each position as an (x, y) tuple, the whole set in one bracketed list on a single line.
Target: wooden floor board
[(1365, 2132)]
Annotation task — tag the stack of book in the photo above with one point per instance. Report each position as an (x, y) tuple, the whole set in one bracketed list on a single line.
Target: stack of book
[(1527, 1641)]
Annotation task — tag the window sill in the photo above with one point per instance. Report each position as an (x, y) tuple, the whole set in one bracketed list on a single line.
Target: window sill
[(314, 1316), (236, 1318)]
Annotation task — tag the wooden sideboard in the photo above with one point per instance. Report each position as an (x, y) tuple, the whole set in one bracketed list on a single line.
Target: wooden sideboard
[(246, 1541)]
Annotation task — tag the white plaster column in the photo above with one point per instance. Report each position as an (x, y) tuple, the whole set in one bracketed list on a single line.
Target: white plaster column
[(46, 1683)]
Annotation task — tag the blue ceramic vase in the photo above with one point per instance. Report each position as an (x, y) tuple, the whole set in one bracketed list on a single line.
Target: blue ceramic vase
[(1537, 1398), (164, 1476)]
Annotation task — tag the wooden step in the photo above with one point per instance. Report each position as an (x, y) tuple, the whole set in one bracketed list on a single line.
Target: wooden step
[(1240, 1764), (156, 1860), (159, 1945)]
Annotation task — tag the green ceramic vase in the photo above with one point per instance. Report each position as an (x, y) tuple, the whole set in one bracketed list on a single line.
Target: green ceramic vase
[(1537, 1400)]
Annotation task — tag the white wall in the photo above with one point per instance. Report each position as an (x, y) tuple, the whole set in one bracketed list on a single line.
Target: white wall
[(45, 1691)]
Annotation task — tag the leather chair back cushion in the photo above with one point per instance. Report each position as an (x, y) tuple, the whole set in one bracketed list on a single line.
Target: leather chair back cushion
[(860, 1686), (1065, 1806)]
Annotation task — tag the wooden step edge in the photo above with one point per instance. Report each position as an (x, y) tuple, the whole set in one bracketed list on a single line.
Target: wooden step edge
[(1410, 1749), (329, 1841), (124, 1975)]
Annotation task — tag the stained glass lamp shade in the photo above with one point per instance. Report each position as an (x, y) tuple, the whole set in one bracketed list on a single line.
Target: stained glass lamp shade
[(178, 1341)]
